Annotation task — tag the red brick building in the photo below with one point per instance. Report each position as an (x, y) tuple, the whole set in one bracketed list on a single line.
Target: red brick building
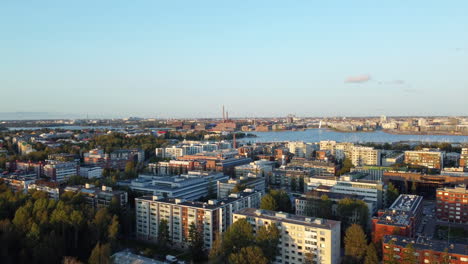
[(401, 218), (452, 204), (425, 251)]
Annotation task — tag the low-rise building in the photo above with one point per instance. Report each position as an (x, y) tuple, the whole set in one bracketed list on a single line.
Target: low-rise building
[(429, 251), (300, 237), (402, 218), (51, 188), (372, 191), (91, 172), (191, 186), (224, 188), (99, 197)]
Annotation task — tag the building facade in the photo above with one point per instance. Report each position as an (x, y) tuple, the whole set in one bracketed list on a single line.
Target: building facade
[(452, 204), (428, 158), (402, 218), (300, 237), (426, 251), (213, 218)]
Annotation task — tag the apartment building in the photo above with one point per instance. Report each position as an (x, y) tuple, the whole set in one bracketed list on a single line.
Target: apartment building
[(328, 145), (224, 188), (452, 204), (464, 158), (402, 218), (316, 167), (189, 186), (311, 201), (301, 149), (51, 188), (301, 236), (372, 191), (429, 158), (59, 171), (258, 168), (426, 250), (116, 159), (90, 171), (98, 197), (282, 177), (361, 156), (213, 217)]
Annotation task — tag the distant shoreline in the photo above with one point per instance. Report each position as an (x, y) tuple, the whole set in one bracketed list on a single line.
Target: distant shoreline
[(387, 131)]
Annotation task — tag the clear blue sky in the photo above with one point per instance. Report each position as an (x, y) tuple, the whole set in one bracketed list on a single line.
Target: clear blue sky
[(258, 58)]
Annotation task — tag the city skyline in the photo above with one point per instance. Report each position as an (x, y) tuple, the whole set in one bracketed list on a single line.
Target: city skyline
[(185, 59)]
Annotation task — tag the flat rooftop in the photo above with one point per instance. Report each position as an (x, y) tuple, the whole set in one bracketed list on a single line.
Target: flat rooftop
[(212, 204), (289, 218), (428, 244), (407, 203)]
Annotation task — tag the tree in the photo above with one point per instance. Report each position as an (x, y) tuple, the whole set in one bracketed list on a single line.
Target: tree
[(301, 184), (217, 248), (101, 222), (408, 255), (267, 239), (163, 234), (293, 184), (309, 258), (113, 230), (71, 260), (130, 171), (100, 254), (352, 211), (355, 244), (392, 193), (237, 236), (347, 165), (239, 188), (268, 202), (371, 255), (282, 200), (248, 255), (325, 207), (195, 241)]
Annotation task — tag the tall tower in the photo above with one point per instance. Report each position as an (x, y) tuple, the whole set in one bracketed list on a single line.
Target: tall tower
[(224, 117)]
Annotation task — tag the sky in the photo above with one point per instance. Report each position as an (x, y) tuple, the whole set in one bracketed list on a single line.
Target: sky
[(258, 58)]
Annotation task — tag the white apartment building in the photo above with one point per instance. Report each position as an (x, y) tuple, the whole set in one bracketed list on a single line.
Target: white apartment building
[(301, 149), (301, 237), (372, 191), (52, 190), (343, 150), (59, 171), (328, 145), (213, 217), (365, 156), (91, 172)]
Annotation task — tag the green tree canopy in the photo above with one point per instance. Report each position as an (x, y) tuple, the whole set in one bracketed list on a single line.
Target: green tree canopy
[(248, 255), (237, 236), (268, 202), (355, 244), (371, 255)]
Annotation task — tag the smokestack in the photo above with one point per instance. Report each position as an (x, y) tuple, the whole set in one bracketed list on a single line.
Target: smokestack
[(227, 116), (234, 141), (223, 114)]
